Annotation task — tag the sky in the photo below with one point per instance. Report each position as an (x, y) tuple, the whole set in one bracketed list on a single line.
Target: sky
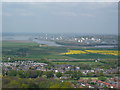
[(60, 17)]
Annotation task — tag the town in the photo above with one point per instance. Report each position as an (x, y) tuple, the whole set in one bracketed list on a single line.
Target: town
[(79, 61), (77, 40), (64, 72)]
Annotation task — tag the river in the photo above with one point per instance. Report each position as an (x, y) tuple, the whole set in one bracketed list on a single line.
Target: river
[(30, 38), (49, 43)]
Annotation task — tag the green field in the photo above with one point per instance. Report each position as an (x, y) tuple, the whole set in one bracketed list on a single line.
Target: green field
[(52, 56), (91, 56), (32, 51), (17, 44)]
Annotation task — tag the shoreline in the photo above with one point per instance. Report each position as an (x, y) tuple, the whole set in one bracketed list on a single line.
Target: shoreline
[(20, 41)]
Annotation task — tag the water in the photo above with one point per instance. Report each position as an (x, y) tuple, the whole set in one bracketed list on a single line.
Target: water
[(28, 37), (15, 37), (106, 46), (49, 43)]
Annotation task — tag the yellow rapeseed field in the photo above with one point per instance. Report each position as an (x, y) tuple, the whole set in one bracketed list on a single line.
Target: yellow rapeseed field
[(105, 52), (75, 52), (109, 52)]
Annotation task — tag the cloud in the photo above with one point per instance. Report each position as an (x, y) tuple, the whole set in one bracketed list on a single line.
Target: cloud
[(65, 13), (60, 0), (17, 14), (73, 14), (14, 10), (26, 14), (7, 14), (63, 9), (87, 14), (52, 17)]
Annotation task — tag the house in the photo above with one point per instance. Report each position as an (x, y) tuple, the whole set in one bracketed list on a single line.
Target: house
[(63, 77), (101, 83)]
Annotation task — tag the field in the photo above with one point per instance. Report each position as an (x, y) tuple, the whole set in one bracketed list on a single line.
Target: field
[(83, 57), (21, 50), (49, 52), (74, 52), (104, 52), (32, 50), (15, 43)]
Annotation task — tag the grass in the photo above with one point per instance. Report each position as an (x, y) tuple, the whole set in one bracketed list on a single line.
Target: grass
[(89, 78), (17, 44), (78, 63), (49, 56), (11, 49), (90, 56)]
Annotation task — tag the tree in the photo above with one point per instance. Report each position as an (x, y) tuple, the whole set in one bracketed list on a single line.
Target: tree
[(12, 73), (39, 73), (76, 75), (68, 72), (49, 74), (32, 84), (21, 74), (22, 51), (90, 74), (102, 78), (66, 85), (59, 74), (24, 86), (55, 86), (14, 84), (33, 74)]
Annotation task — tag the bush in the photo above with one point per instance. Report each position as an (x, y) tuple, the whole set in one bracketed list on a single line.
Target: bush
[(102, 78)]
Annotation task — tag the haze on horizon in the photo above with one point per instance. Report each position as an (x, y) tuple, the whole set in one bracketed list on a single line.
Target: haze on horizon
[(87, 17)]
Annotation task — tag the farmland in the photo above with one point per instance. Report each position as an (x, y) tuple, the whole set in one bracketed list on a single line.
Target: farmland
[(105, 52), (31, 51), (73, 63)]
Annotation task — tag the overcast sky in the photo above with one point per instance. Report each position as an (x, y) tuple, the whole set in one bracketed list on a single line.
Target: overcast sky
[(88, 17)]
